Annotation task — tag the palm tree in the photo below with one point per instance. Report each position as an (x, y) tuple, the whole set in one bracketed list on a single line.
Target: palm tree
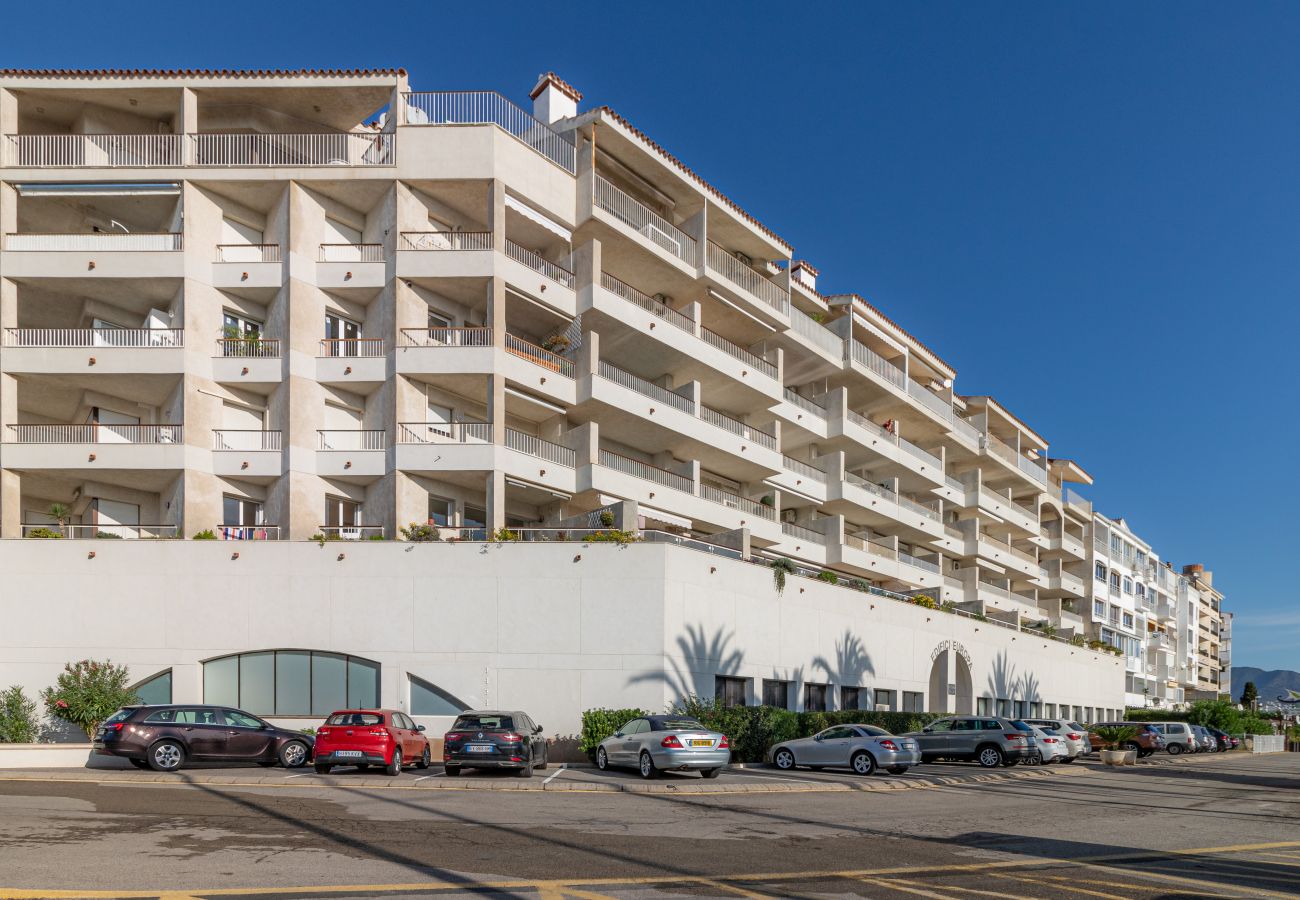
[(59, 513)]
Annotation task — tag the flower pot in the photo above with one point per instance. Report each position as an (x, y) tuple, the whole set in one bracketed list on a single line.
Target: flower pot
[(1119, 757)]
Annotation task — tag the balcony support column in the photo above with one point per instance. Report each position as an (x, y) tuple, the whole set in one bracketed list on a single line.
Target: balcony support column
[(496, 407), (11, 506), (496, 500), (496, 210), (496, 311)]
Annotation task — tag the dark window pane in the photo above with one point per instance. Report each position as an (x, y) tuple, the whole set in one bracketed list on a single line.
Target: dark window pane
[(292, 683), (155, 690)]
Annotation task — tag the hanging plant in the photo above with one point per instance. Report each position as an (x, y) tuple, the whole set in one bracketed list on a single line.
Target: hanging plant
[(781, 567)]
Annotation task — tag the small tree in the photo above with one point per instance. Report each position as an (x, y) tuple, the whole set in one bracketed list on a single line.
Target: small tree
[(1249, 694), (19, 723), (59, 513), (88, 692)]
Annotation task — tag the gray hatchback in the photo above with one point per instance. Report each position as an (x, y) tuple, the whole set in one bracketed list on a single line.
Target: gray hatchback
[(656, 743)]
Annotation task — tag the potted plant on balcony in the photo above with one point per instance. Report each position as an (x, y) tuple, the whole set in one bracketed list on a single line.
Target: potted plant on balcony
[(239, 342), (1116, 738), (781, 567), (59, 513), (556, 343)]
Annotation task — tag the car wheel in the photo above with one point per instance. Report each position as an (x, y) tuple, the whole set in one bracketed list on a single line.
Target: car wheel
[(139, 763), (323, 768), (897, 770), (452, 771), (709, 773), (783, 759), (395, 767), (647, 766), (424, 759), (526, 771), (166, 756), (863, 763), (989, 757), (1010, 763), (293, 754), (1175, 749), (602, 759), (1067, 759), (546, 761)]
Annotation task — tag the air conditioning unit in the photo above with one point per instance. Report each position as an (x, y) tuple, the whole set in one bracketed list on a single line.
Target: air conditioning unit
[(664, 299), (743, 258)]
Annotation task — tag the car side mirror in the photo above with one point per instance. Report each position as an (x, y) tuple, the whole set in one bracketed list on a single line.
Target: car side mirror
[(618, 734), (419, 728), (927, 729), (537, 729)]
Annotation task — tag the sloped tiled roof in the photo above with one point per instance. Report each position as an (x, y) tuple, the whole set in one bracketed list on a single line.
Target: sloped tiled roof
[(196, 73), (551, 78)]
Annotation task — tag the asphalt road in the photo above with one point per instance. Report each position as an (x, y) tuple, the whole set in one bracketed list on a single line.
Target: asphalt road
[(1216, 827)]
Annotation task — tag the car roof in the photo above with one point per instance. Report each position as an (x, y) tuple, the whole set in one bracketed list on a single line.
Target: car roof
[(363, 709), (490, 712)]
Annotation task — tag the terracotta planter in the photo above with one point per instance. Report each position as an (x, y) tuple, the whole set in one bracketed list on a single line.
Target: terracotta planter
[(1119, 757)]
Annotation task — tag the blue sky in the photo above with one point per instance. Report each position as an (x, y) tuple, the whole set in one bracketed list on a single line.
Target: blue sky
[(1091, 211)]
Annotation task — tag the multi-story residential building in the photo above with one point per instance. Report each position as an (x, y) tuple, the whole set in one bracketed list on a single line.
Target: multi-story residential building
[(1209, 629), (1225, 654), (274, 306)]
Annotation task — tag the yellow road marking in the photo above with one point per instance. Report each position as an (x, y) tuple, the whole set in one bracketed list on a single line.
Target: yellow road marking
[(901, 886), (1069, 885)]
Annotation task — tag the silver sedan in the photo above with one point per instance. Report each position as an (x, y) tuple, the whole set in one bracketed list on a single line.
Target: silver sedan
[(665, 743), (862, 748)]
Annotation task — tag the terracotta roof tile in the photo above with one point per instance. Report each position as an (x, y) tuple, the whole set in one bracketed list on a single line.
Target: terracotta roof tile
[(194, 73), (903, 331), (807, 266), (551, 78)]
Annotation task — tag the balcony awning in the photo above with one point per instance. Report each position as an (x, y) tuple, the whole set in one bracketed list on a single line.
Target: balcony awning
[(159, 189), (649, 512), (545, 221)]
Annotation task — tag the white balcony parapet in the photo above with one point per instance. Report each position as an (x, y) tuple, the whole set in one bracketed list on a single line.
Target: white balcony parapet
[(352, 347), (1034, 469), (351, 253), (925, 456), (50, 151), (542, 449), (446, 240), (789, 529), (648, 303), (995, 497), (236, 253), (645, 388), (741, 275), (799, 467), (806, 326), (456, 432), (472, 336), (539, 263), (638, 469), (930, 511), (805, 404), (874, 362), (734, 501), (245, 439), (931, 400), (132, 338), (735, 426), (364, 148), (352, 532), (96, 434), (247, 532), (249, 348), (713, 339), (109, 531), (540, 356), (641, 219), (105, 241), (489, 108), (353, 439), (868, 545), (918, 562)]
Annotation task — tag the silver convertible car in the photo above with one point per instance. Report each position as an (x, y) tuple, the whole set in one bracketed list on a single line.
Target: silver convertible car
[(862, 748), (657, 743)]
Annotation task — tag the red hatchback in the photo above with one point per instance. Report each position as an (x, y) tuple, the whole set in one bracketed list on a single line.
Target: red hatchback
[(370, 737)]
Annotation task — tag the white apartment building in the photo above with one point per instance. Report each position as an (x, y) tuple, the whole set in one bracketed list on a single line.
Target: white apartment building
[(277, 305)]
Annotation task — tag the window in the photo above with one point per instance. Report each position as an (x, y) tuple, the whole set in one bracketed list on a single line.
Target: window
[(1142, 559), (441, 511), (984, 706), (155, 689), (838, 733), (427, 699), (1098, 609), (1004, 707), (1128, 620), (1142, 591), (913, 701), (1114, 581), (883, 700), (237, 719), (355, 719), (1022, 708), (185, 717), (1128, 585), (343, 336), (730, 691), (233, 325), (776, 693), (291, 682), (850, 698), (489, 722), (1049, 710), (475, 518), (1101, 572), (943, 725), (814, 697)]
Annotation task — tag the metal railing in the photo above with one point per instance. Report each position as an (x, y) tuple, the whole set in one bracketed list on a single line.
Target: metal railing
[(351, 532), (645, 471), (108, 531), (133, 338), (539, 356), (805, 325), (805, 404), (541, 448), (245, 439), (648, 303), (923, 455), (347, 148), (85, 241), (856, 418), (735, 426), (645, 388), (96, 434), (734, 501), (457, 432), (713, 339), (93, 150), (539, 263), (645, 221), (799, 467), (870, 487), (470, 336), (446, 240), (352, 347), (251, 348), (741, 275), (919, 563), (994, 497), (869, 545), (353, 439), (930, 400), (1031, 468), (351, 253), (489, 108), (919, 508), (247, 532), (237, 253), (789, 529), (877, 364)]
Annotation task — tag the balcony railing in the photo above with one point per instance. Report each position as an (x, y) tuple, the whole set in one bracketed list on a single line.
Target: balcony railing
[(868, 545), (741, 275), (489, 108), (351, 253), (108, 530), (923, 455), (645, 388), (237, 253), (713, 339), (105, 241), (735, 426), (352, 532), (641, 219), (798, 532), (994, 497), (805, 404), (648, 303), (870, 487), (352, 347), (965, 430), (799, 467), (734, 501), (542, 449), (249, 348), (539, 263), (457, 432), (645, 471), (93, 150), (805, 325), (243, 439), (1032, 469), (367, 148), (930, 400), (539, 356), (247, 532), (921, 509), (350, 439), (919, 563), (133, 338), (473, 336), (96, 434), (877, 364), (446, 240)]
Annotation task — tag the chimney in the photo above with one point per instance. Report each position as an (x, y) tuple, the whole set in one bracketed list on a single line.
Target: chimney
[(803, 270), (1196, 570), (554, 99)]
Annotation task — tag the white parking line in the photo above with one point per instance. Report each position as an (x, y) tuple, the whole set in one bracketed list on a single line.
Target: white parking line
[(547, 780), (434, 775), (300, 775)]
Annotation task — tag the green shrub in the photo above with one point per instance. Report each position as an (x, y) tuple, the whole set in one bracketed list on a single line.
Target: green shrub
[(828, 576), (750, 730), (420, 534), (781, 567), (894, 722), (88, 692), (107, 536), (1114, 735), (44, 533), (376, 537), (205, 535), (19, 723), (925, 600), (503, 534), (606, 518), (612, 536), (598, 724)]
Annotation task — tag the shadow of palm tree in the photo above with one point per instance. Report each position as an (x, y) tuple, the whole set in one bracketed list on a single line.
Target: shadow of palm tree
[(702, 658), (1003, 681), (851, 661), (1029, 685)]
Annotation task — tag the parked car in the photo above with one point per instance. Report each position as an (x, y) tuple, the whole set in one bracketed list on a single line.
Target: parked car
[(1049, 746), (370, 737), (1225, 740), (862, 748), (1208, 743), (493, 739), (990, 741), (167, 737), (1075, 736), (1178, 737), (1146, 742), (653, 744)]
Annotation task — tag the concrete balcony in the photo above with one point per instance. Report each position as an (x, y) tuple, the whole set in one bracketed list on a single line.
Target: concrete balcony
[(445, 254), (1008, 557), (908, 456), (94, 255), (1031, 471), (626, 217), (359, 454), (1066, 545), (803, 544), (800, 478), (99, 351), (248, 363), (801, 413), (893, 378), (761, 297), (445, 351), (883, 561), (94, 151), (248, 267), (247, 454), (351, 266), (539, 277), (871, 504), (287, 151), (89, 447), (997, 598), (461, 446), (1024, 519), (358, 364)]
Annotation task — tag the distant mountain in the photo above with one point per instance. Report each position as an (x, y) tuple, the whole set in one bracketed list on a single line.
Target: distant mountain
[(1270, 685)]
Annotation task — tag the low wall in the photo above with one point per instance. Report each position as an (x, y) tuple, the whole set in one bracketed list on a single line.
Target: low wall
[(55, 756), (1267, 743)]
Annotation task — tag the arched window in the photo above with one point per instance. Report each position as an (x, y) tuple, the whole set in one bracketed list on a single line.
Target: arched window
[(428, 699), (291, 682), (157, 688)]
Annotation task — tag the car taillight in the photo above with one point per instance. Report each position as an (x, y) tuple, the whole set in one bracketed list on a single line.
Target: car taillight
[(1050, 741), (378, 732), (889, 745), (1015, 738), (512, 738), (1074, 736), (322, 731), (671, 741), (116, 726), (724, 744), (452, 736)]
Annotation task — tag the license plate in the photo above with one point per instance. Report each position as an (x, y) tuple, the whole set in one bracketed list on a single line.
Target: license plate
[(479, 748), (347, 752), (700, 743)]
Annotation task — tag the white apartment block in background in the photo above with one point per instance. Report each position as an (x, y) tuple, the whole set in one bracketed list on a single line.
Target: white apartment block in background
[(277, 305)]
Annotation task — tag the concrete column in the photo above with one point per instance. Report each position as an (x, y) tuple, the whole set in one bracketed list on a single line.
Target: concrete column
[(585, 443), (496, 407), (411, 501), (11, 503), (496, 311), (496, 500), (496, 208), (694, 309), (8, 113), (588, 362), (586, 265)]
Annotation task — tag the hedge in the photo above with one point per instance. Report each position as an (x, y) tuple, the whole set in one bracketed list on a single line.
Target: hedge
[(752, 730), (1219, 713)]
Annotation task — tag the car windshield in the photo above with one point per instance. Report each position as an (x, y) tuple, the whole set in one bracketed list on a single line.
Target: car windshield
[(676, 725), (484, 723), (355, 718), (1021, 726), (875, 732), (1075, 726), (1050, 732)]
